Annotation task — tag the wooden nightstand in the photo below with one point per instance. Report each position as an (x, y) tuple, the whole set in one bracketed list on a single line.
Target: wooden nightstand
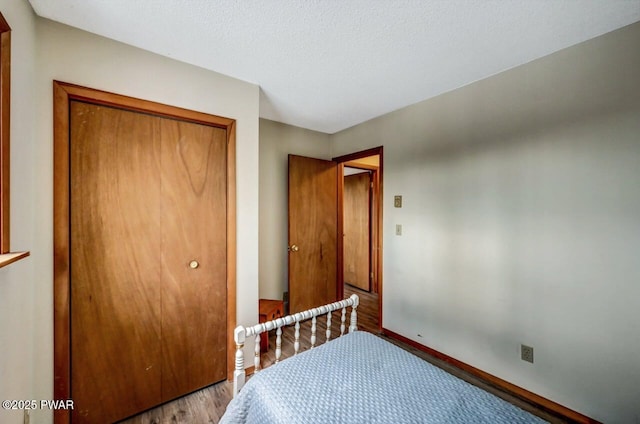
[(269, 310)]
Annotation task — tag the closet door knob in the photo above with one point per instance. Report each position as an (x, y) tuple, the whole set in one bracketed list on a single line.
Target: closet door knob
[(194, 264)]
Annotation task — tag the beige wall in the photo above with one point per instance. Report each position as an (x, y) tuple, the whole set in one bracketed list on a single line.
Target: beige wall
[(58, 52), (277, 141), (520, 216), (17, 310)]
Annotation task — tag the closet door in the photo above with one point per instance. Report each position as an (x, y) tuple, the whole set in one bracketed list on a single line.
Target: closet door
[(194, 317), (148, 260), (357, 230), (115, 274)]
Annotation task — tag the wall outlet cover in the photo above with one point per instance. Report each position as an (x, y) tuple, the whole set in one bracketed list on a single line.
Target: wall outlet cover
[(397, 201), (526, 353)]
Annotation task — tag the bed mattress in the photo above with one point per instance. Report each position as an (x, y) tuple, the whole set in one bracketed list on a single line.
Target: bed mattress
[(360, 378)]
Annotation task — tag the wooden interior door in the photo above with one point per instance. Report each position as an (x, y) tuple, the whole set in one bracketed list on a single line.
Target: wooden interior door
[(313, 227), (357, 230), (148, 260), (115, 275), (193, 205)]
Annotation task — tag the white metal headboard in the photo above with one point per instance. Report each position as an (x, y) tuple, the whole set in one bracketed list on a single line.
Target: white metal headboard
[(241, 333)]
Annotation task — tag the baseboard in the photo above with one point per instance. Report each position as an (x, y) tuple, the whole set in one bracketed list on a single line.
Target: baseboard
[(530, 397)]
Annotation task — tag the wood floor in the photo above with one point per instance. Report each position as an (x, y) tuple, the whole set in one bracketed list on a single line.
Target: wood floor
[(208, 405)]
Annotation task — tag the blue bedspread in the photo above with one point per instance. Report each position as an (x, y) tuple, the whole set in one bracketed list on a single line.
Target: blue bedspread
[(360, 378)]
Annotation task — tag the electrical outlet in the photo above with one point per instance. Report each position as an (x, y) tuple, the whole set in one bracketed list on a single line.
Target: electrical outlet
[(398, 229), (526, 353)]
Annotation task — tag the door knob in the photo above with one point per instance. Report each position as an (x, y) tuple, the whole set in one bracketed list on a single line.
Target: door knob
[(194, 264), (294, 248)]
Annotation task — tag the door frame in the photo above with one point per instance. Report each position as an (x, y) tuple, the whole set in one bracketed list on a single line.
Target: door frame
[(376, 236), (63, 94)]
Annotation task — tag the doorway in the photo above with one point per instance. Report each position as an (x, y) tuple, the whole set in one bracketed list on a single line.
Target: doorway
[(316, 230), (360, 247)]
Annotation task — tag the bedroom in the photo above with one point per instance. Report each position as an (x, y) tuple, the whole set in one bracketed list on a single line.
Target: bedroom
[(562, 282)]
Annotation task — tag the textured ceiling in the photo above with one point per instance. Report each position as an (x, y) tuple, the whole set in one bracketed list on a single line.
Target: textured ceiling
[(330, 64)]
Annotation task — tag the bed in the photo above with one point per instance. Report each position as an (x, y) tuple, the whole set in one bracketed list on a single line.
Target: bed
[(355, 378)]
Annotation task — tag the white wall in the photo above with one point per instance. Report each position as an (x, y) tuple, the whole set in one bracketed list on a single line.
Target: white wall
[(277, 141), (521, 206), (17, 319), (70, 55)]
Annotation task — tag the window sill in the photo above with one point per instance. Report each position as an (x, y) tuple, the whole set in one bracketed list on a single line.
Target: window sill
[(11, 257)]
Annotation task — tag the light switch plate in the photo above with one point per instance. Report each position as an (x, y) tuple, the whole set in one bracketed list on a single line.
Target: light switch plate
[(397, 201), (398, 229)]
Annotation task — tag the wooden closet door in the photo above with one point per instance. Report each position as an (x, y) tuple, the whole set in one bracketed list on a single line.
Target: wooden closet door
[(357, 230), (194, 315), (148, 260), (115, 273)]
